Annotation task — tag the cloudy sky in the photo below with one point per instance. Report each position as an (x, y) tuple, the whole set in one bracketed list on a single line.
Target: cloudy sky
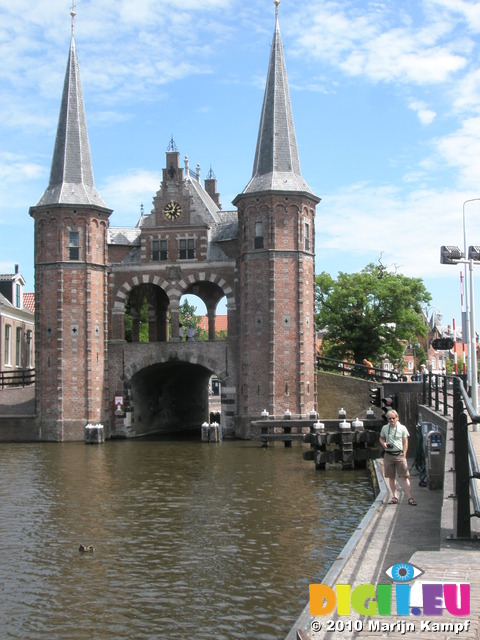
[(385, 95)]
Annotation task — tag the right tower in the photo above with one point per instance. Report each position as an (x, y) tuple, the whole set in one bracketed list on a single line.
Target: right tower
[(276, 264)]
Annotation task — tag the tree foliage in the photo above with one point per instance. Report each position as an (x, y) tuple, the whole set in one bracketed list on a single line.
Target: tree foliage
[(370, 314), (187, 318)]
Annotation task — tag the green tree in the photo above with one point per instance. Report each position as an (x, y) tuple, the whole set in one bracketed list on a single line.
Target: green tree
[(187, 318), (143, 327), (370, 314)]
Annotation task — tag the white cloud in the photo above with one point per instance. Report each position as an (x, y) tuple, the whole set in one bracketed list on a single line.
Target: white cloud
[(407, 230), (461, 150), (470, 11), (425, 115), (389, 48), (126, 192)]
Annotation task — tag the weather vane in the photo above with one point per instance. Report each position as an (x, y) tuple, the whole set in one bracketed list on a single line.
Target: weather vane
[(73, 14)]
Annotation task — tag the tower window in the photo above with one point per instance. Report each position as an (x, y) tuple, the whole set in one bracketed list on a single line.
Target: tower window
[(73, 245), (307, 237), (258, 239), (186, 249), (159, 250)]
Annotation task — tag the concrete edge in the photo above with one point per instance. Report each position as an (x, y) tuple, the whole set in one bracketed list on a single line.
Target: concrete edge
[(304, 621)]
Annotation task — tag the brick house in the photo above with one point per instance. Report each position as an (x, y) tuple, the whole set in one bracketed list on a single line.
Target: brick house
[(16, 325)]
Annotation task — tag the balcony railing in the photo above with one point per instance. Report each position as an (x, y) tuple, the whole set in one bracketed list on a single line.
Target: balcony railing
[(17, 378)]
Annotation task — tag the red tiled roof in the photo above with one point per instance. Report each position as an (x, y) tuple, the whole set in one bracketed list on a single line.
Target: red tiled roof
[(221, 323), (29, 301)]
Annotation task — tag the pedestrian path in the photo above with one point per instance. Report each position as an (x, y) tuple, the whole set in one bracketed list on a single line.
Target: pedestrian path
[(420, 536)]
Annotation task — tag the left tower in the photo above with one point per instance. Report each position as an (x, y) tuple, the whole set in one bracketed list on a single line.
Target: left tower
[(71, 222)]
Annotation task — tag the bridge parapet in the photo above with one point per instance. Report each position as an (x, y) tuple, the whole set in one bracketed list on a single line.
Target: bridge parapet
[(165, 385)]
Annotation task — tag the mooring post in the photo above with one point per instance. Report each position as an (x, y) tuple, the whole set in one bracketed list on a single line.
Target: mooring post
[(94, 434), (346, 444)]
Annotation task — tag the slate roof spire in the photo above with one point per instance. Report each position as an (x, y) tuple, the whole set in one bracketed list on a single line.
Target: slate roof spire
[(276, 166), (71, 176)]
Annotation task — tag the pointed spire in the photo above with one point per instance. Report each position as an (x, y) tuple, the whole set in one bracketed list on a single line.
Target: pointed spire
[(71, 176), (276, 166)]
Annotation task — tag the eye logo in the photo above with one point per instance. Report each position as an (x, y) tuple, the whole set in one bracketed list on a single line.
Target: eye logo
[(403, 572)]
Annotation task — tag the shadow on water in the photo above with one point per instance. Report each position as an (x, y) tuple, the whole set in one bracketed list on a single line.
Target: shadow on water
[(192, 539)]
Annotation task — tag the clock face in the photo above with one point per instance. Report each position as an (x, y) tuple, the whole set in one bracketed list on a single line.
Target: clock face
[(173, 210)]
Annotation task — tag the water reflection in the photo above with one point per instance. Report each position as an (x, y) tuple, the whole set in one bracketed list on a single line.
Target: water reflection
[(191, 539)]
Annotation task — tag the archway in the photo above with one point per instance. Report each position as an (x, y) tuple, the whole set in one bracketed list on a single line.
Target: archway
[(205, 297), (146, 314), (170, 397)]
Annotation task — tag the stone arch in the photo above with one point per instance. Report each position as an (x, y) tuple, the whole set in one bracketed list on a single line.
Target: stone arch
[(185, 357), (210, 287), (159, 294), (167, 384)]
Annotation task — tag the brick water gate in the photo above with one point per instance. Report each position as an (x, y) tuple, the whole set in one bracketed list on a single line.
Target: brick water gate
[(89, 277)]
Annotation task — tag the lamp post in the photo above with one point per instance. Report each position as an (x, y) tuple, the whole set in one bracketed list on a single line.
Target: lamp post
[(453, 255), (466, 316), (438, 314), (413, 348), (431, 324)]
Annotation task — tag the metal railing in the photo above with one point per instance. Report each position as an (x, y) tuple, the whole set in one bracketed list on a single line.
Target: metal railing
[(448, 395), (356, 370), (17, 378)]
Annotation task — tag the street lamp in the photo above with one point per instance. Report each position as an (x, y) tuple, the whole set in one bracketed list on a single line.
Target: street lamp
[(453, 255), (413, 348), (438, 315), (466, 322)]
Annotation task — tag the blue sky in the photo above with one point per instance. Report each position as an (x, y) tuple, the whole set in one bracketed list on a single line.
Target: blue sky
[(385, 96)]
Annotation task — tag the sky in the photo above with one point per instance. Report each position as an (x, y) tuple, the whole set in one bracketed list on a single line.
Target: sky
[(385, 97)]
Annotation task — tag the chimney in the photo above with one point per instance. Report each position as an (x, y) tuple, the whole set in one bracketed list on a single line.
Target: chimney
[(211, 188), (16, 269)]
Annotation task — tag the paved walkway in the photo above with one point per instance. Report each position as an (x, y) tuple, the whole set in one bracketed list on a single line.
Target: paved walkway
[(397, 534)]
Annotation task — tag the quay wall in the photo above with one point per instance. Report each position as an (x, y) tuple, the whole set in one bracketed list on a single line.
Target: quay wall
[(17, 415), (335, 392)]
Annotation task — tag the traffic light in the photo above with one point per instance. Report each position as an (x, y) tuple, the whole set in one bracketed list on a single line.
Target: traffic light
[(376, 396), (388, 403), (442, 344)]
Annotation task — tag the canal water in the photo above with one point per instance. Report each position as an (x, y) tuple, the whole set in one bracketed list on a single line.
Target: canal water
[(192, 540)]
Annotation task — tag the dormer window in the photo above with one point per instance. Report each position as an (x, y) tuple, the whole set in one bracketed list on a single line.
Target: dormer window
[(18, 296), (73, 245)]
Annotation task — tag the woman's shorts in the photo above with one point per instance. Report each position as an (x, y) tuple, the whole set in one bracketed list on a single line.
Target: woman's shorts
[(395, 463)]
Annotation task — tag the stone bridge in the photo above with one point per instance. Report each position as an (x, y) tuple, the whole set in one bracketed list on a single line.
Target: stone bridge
[(165, 385)]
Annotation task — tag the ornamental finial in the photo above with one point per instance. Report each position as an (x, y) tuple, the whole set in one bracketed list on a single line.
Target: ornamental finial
[(276, 3), (73, 14)]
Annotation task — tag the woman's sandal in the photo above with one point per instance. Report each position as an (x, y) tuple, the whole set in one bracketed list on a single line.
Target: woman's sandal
[(393, 501), (412, 502)]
